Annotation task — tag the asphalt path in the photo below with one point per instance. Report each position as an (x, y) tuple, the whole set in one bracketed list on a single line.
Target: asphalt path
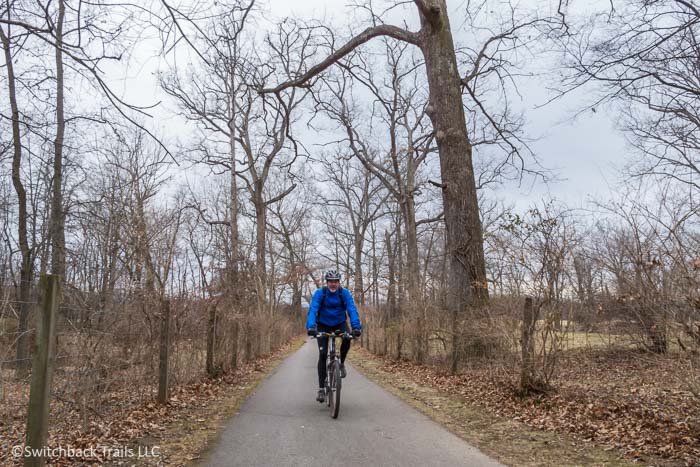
[(281, 424)]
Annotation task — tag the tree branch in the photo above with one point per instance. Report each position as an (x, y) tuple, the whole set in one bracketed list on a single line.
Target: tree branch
[(439, 217), (202, 214), (281, 195), (352, 44), (689, 6)]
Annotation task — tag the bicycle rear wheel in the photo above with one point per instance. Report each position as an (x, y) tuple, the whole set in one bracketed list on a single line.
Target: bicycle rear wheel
[(329, 378), (334, 393)]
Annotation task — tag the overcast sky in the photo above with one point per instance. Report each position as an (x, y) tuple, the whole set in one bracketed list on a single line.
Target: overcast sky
[(584, 153)]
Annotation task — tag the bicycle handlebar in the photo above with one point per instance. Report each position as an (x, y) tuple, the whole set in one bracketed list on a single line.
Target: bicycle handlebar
[(345, 335)]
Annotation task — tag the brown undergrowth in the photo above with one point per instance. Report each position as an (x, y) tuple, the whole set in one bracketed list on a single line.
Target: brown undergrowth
[(134, 431)]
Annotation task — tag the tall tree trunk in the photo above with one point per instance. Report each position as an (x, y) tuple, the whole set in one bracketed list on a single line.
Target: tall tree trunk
[(400, 272), (296, 296), (394, 301), (375, 268), (412, 267), (27, 267), (144, 246), (109, 279), (359, 283), (260, 226), (391, 289), (58, 240), (467, 276), (233, 214)]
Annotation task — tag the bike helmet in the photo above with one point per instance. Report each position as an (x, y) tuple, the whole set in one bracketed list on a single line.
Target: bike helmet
[(332, 275)]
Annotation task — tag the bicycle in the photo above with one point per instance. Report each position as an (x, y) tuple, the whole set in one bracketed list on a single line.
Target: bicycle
[(333, 380)]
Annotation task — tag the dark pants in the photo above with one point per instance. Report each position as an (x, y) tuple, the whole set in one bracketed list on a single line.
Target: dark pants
[(323, 349)]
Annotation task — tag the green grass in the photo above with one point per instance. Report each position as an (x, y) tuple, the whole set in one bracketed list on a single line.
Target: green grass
[(576, 340)]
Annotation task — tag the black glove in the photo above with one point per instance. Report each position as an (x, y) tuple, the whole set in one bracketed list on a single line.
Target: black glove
[(356, 333), (311, 332)]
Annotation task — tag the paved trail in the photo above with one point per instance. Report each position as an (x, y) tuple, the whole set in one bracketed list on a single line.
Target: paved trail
[(281, 424)]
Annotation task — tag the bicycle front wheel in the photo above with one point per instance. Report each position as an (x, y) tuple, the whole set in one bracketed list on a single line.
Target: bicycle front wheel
[(334, 394)]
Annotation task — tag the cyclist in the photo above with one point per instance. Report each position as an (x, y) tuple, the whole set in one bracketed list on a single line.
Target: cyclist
[(330, 307)]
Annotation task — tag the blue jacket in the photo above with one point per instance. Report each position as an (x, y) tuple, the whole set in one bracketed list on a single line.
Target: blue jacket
[(332, 312)]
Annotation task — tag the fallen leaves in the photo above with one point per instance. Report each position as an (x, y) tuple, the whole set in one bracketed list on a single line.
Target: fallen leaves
[(617, 399)]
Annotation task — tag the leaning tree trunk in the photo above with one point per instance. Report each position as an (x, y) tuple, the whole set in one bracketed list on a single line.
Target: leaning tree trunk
[(466, 282)]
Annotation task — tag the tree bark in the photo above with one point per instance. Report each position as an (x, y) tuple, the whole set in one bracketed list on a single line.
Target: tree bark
[(58, 241), (111, 254), (260, 226), (412, 266), (375, 268), (399, 269), (359, 283), (466, 283), (391, 289)]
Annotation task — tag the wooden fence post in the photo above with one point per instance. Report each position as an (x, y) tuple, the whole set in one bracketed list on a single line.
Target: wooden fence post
[(363, 336), (211, 336), (247, 335), (234, 344), (456, 343), (527, 344), (42, 369), (385, 328), (163, 369)]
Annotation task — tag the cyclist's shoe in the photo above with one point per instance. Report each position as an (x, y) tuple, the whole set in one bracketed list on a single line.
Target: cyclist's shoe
[(343, 373), (321, 395)]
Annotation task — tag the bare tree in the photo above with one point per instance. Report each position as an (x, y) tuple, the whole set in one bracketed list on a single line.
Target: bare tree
[(464, 236), (400, 107), (259, 125), (357, 197), (289, 222), (228, 68), (63, 27), (641, 55), (27, 254), (466, 282)]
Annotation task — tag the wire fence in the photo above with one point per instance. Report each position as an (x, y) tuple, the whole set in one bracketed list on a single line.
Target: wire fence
[(109, 353), (425, 332)]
